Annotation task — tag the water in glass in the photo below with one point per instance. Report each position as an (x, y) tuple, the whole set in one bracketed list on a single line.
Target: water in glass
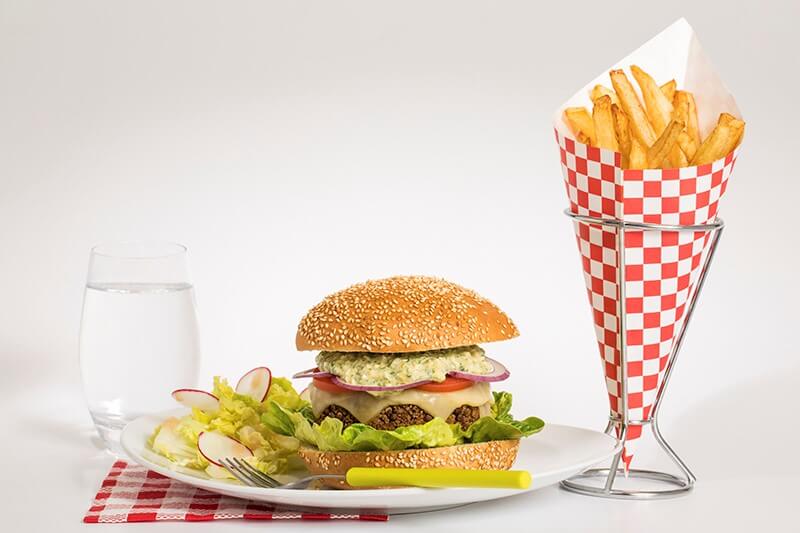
[(139, 341)]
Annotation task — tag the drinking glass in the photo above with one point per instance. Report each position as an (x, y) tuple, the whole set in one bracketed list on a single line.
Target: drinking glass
[(139, 334)]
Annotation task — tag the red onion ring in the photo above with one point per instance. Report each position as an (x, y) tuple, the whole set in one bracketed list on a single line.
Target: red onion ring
[(312, 373), (498, 373)]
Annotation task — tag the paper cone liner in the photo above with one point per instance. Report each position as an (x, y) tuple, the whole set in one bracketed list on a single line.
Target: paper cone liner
[(661, 267)]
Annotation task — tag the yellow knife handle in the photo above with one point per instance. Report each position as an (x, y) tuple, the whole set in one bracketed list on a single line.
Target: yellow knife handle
[(438, 477)]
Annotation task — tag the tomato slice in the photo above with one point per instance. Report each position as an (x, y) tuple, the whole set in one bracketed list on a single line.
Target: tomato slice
[(450, 384), (325, 384)]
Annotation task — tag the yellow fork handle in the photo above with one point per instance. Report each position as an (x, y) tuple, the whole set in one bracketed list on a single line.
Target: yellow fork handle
[(438, 477)]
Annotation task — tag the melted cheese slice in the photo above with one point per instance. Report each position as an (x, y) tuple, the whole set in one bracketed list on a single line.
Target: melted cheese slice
[(364, 406)]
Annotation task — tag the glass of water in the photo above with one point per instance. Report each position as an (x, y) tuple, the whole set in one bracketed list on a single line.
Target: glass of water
[(139, 335)]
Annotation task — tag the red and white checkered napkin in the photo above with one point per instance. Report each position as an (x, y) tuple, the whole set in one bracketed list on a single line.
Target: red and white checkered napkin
[(661, 267), (131, 493)]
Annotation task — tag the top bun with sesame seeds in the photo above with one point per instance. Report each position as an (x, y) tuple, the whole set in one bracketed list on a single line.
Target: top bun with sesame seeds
[(402, 314)]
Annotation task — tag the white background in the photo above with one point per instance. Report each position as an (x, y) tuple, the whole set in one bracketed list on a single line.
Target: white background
[(298, 147)]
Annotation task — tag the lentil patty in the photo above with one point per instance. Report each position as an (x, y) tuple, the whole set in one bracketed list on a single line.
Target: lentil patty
[(395, 416)]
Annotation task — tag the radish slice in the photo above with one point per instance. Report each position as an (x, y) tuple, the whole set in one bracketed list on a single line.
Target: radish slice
[(312, 373), (305, 395), (255, 383), (215, 446), (205, 401), (498, 373)]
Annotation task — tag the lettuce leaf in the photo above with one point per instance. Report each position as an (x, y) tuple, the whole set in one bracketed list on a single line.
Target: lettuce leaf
[(282, 392), (330, 435), (488, 428), (171, 441), (501, 408)]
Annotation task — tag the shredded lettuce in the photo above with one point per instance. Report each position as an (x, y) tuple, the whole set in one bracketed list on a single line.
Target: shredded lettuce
[(330, 435)]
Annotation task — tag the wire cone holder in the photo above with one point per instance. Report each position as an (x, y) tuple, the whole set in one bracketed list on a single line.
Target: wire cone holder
[(620, 422)]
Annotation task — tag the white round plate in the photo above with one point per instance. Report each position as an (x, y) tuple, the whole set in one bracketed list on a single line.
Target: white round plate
[(554, 454)]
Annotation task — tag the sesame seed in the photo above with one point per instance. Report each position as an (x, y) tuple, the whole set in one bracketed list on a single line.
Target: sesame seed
[(402, 314)]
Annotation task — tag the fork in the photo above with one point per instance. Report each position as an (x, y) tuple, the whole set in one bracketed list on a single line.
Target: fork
[(373, 477), (247, 474)]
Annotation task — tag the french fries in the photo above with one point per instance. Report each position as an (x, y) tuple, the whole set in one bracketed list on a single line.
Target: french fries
[(659, 108), (657, 154), (669, 89), (599, 91), (725, 118), (604, 123), (680, 111), (659, 111), (721, 141), (581, 124), (630, 103), (658, 130), (623, 133), (691, 119)]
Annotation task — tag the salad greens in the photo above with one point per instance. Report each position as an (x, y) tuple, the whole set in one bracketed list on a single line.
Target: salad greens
[(240, 417), (275, 428)]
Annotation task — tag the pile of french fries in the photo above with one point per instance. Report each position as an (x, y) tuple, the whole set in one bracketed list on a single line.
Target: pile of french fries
[(662, 133)]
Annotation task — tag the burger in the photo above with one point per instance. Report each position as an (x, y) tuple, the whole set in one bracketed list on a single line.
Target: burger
[(401, 381)]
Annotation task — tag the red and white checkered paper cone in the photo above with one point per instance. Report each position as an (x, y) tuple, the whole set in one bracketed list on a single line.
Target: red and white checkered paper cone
[(131, 493), (661, 267)]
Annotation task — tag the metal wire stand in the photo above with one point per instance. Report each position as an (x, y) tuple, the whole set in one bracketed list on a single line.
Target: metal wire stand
[(618, 425)]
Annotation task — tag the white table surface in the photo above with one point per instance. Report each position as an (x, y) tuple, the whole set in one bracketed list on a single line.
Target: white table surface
[(52, 468)]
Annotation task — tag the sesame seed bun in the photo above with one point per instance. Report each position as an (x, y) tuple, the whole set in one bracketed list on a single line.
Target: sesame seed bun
[(402, 314), (492, 455)]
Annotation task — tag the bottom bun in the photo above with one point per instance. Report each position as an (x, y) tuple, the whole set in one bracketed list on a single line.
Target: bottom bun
[(492, 455)]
